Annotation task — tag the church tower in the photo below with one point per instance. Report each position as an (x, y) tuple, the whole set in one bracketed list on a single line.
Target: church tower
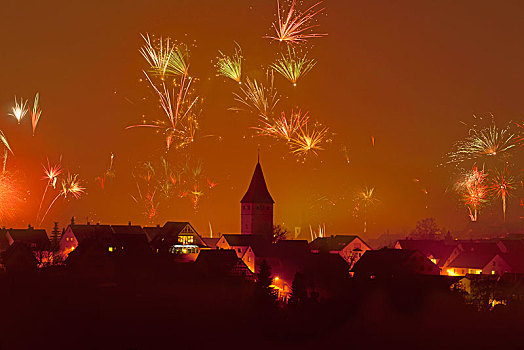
[(257, 207)]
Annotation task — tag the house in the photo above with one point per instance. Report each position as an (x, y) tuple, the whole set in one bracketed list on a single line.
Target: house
[(438, 251), (474, 257), (179, 239), (390, 263), (130, 239), (222, 263), (252, 249), (350, 248), (36, 239), (76, 234), (152, 232)]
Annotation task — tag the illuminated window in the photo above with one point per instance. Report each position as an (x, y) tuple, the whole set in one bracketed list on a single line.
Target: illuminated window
[(111, 249), (185, 239), (492, 272)]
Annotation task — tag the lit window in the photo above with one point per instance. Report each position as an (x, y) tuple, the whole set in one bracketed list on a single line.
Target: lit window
[(111, 249), (185, 239)]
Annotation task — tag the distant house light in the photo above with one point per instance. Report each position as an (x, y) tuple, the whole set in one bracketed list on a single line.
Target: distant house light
[(111, 249)]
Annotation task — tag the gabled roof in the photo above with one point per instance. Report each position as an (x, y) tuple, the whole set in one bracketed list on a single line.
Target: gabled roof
[(172, 230), (127, 229), (35, 238), (333, 243), (257, 191), (175, 227), (472, 260), (258, 243), (439, 249), (152, 232), (210, 242), (82, 232), (394, 262)]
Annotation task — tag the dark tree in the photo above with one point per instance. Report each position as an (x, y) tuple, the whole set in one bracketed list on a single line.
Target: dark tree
[(264, 293), (298, 290), (426, 229), (279, 232), (55, 238)]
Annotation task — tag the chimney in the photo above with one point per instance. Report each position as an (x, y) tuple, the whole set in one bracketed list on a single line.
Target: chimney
[(129, 223)]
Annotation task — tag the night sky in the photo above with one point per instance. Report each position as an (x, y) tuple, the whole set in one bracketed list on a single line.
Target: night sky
[(405, 73)]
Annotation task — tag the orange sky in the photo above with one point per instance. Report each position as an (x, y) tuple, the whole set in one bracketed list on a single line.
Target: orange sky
[(403, 72)]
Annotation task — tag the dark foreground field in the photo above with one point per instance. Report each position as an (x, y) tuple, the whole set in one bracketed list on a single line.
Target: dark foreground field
[(58, 309)]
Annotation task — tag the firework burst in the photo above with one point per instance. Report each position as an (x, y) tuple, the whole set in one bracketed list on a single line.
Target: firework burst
[(366, 198), (474, 191), (231, 67), (257, 97), (11, 196), (35, 113), (19, 110), (70, 185), (292, 66), (308, 141), (284, 128), (179, 108), (295, 28), (502, 185), (484, 144)]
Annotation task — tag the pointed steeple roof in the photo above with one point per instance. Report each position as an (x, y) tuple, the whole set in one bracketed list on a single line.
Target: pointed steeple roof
[(257, 191)]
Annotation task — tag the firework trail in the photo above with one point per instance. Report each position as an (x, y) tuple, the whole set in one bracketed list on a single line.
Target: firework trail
[(284, 128), (7, 148), (109, 173), (179, 108), (502, 185), (320, 233), (295, 27), (484, 144), (51, 173), (3, 138), (231, 67), (308, 141), (19, 110), (257, 97), (292, 66), (35, 113), (474, 191), (70, 185), (345, 151), (365, 198), (423, 189), (147, 174)]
